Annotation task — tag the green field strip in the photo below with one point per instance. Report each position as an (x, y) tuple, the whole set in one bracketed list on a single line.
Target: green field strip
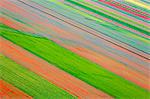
[(29, 82), (77, 66), (110, 17)]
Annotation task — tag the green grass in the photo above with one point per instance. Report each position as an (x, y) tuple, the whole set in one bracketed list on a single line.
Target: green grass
[(77, 66), (29, 82)]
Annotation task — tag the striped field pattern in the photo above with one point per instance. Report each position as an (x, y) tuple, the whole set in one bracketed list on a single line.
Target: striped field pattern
[(75, 49)]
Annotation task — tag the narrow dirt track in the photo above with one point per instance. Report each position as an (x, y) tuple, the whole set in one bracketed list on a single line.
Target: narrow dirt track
[(51, 73), (7, 91)]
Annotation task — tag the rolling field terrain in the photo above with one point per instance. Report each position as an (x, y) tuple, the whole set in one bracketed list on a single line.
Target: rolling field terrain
[(74, 49)]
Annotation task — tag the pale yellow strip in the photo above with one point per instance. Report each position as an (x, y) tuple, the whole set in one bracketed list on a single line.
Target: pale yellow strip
[(139, 3)]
